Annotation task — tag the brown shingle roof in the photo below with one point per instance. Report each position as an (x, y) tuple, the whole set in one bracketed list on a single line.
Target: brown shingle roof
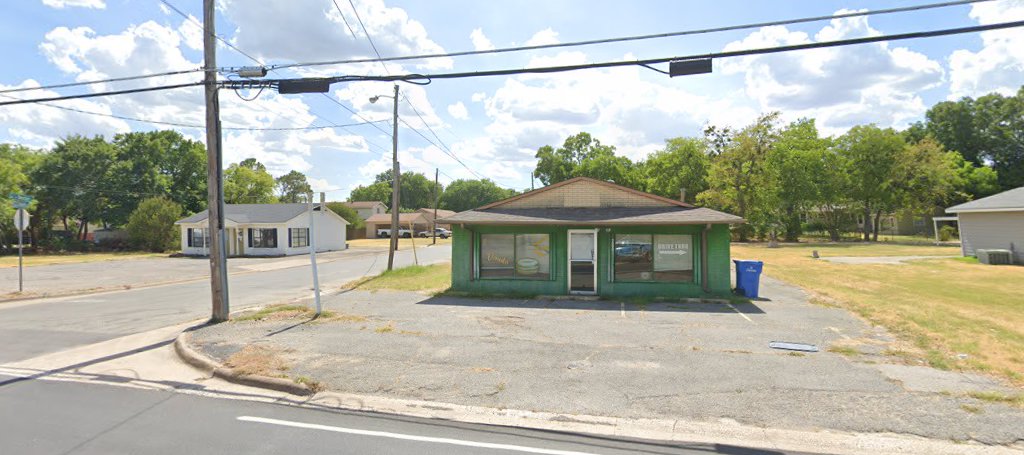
[(403, 218), (594, 216)]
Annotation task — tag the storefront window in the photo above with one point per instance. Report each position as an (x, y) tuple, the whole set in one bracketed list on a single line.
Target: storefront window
[(515, 256), (645, 257)]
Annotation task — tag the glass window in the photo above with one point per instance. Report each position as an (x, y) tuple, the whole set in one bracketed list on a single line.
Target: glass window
[(645, 257), (634, 259), (298, 237), (263, 238), (199, 238), (515, 256)]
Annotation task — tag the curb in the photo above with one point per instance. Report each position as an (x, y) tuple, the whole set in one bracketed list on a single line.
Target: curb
[(723, 431), (204, 363)]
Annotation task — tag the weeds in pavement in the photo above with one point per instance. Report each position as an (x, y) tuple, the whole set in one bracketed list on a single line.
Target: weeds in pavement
[(257, 360)]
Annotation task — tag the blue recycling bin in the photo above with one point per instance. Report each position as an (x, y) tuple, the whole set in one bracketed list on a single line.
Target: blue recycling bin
[(748, 277)]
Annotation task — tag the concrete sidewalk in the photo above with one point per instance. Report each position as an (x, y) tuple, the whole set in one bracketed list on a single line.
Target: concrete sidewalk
[(705, 363)]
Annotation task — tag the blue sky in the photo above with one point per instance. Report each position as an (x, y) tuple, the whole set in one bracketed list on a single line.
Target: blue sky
[(493, 124)]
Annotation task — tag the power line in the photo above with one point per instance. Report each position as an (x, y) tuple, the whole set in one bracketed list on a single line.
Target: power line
[(98, 94), (196, 22), (638, 37), (102, 81), (413, 78)]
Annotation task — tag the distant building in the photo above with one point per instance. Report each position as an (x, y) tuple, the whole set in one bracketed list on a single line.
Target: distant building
[(265, 230), (994, 222), (418, 221), (366, 209)]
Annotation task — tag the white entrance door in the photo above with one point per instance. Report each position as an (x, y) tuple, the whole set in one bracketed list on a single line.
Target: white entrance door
[(582, 261)]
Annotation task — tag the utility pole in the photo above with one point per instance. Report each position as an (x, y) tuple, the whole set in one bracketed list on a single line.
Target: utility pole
[(311, 240), (433, 226), (214, 172), (394, 185)]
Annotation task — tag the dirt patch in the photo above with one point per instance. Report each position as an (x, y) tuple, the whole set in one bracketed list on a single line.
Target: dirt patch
[(257, 360)]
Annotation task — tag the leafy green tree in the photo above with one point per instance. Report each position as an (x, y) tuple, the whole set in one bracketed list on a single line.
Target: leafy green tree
[(738, 181), (872, 155), (248, 182), (377, 191), (293, 187), (462, 195), (151, 225), (16, 164), (583, 156), (793, 167), (73, 181), (972, 181), (348, 213), (155, 163), (683, 163)]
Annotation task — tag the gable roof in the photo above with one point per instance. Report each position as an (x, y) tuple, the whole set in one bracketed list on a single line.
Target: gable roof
[(1007, 201), (254, 213), (586, 201), (363, 204), (654, 199)]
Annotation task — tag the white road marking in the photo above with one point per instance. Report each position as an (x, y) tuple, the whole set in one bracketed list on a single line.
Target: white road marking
[(739, 313), (409, 437)]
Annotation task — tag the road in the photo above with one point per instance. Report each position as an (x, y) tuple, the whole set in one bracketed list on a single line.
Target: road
[(32, 328), (55, 417)]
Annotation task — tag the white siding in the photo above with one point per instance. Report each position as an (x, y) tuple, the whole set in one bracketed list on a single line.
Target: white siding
[(993, 230), (330, 233), (192, 251)]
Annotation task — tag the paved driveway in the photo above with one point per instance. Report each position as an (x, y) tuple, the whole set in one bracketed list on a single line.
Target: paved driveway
[(665, 360)]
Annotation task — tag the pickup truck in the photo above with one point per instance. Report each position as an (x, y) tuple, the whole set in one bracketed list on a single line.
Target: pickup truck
[(386, 233), (440, 232)]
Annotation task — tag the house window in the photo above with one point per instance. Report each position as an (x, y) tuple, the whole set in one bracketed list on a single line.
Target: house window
[(262, 238), (298, 237), (198, 238), (646, 257), (515, 256)]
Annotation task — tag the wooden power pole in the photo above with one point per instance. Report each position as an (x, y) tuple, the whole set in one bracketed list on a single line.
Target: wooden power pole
[(214, 172), (433, 226), (394, 186)]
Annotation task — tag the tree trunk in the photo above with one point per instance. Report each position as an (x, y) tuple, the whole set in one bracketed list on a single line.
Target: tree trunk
[(833, 234), (64, 219), (866, 228), (878, 218)]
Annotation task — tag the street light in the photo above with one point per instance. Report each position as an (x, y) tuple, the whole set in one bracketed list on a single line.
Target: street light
[(394, 178)]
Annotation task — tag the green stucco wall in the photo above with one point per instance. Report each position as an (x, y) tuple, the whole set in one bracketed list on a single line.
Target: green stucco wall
[(466, 238)]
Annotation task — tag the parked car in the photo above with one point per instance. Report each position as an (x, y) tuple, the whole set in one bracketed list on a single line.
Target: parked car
[(440, 232), (386, 233), (633, 251)]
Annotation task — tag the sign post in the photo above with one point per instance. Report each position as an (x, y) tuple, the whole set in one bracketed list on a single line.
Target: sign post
[(21, 220)]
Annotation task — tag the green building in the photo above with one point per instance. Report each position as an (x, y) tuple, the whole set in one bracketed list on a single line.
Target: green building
[(586, 236)]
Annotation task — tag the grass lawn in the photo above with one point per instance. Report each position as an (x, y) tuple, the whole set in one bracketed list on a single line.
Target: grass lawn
[(938, 308), (422, 278), (71, 258), (403, 244)]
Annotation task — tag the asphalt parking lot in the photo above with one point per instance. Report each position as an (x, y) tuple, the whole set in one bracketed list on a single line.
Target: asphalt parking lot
[(696, 361)]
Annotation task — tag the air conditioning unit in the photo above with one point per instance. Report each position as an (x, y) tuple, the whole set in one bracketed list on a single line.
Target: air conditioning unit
[(995, 257)]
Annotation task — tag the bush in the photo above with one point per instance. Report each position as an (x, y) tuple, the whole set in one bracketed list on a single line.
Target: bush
[(348, 213), (151, 225), (947, 233)]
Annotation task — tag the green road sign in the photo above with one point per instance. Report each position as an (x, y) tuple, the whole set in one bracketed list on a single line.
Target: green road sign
[(20, 201)]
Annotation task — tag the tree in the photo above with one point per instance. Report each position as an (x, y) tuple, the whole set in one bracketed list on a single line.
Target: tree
[(971, 181), (462, 195), (16, 164), (248, 182), (583, 156), (793, 167), (737, 178), (74, 180), (151, 163), (682, 164), (151, 225), (416, 190), (871, 155), (293, 186), (378, 191), (348, 213)]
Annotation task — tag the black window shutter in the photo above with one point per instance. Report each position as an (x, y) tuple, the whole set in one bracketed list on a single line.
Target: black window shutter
[(250, 237), (290, 244), (189, 235), (274, 231)]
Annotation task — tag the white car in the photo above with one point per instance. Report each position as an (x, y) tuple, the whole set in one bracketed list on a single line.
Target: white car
[(386, 233), (440, 232)]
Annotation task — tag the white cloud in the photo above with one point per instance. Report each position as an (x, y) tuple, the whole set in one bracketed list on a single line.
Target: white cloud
[(40, 125), (414, 106), (458, 111), (478, 97), (314, 30), (61, 4), (480, 41), (999, 65), (840, 87), (546, 36)]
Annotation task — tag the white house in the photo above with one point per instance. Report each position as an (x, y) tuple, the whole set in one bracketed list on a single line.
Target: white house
[(994, 222), (266, 230), (366, 209)]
